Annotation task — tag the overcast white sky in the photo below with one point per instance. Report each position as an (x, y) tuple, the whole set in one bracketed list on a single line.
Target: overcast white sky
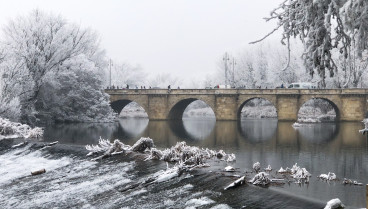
[(183, 37)]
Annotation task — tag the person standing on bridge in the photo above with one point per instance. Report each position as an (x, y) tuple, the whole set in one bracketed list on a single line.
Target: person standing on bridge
[(127, 86)]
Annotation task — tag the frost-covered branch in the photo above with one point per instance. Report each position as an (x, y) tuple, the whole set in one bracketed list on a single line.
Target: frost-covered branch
[(365, 130), (323, 25), (10, 129), (180, 153)]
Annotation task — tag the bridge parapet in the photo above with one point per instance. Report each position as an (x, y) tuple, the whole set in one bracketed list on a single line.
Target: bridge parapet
[(237, 91)]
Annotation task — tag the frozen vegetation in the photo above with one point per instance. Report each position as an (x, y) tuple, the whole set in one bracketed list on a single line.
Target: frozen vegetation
[(133, 110), (53, 70), (365, 130), (10, 129)]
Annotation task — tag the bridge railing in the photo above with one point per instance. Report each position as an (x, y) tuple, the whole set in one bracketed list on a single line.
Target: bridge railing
[(238, 91)]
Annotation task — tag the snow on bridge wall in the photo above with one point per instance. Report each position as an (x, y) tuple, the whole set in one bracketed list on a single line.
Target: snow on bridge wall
[(160, 104)]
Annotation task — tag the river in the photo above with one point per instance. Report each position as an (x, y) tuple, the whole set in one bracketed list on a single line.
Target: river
[(72, 180)]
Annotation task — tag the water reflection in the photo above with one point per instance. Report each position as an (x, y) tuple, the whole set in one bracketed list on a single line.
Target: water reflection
[(319, 133), (255, 130), (79, 133), (131, 127)]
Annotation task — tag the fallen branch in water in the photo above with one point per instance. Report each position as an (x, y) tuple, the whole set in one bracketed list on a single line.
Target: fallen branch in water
[(44, 146), (190, 156), (34, 173), (19, 145), (236, 183)]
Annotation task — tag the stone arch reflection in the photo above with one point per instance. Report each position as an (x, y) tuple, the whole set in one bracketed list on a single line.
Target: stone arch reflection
[(257, 130), (318, 132), (193, 129), (129, 128)]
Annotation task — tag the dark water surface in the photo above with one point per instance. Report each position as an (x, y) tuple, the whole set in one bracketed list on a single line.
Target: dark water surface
[(320, 148)]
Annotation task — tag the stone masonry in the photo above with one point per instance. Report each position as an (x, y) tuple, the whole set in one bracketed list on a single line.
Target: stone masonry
[(161, 104)]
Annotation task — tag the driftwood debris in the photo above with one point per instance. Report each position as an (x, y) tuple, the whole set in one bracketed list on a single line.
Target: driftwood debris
[(238, 182), (19, 145), (49, 144), (34, 173)]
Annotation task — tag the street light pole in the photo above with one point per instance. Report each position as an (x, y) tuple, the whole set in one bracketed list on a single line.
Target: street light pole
[(110, 63), (225, 59), (233, 63)]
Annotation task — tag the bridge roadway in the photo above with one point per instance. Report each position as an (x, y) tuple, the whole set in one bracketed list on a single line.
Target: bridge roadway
[(161, 104)]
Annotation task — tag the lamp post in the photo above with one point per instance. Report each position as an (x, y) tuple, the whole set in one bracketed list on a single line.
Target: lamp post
[(233, 62), (225, 59), (110, 64)]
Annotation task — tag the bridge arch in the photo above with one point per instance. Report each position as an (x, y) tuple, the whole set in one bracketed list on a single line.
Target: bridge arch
[(272, 100), (178, 107), (119, 105), (331, 100)]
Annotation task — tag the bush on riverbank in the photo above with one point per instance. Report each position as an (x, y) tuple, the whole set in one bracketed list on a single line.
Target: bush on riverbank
[(10, 129)]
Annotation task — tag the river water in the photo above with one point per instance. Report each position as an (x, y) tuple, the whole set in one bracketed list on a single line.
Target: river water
[(72, 180)]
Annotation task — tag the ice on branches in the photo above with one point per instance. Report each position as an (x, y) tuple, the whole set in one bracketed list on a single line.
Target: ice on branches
[(189, 155), (142, 144), (107, 147), (260, 179), (328, 177), (257, 167), (300, 173), (180, 153), (10, 129), (236, 183), (365, 130)]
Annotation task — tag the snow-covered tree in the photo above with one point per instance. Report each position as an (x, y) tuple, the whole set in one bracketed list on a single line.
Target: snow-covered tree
[(126, 74), (259, 65), (163, 80), (324, 26), (9, 104), (42, 50)]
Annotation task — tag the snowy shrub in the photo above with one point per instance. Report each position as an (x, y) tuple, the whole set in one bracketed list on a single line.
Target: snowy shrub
[(10, 129)]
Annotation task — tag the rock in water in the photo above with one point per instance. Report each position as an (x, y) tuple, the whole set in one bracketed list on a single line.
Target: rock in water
[(334, 204)]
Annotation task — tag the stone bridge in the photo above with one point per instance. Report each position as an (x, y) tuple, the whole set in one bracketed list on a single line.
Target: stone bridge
[(160, 104)]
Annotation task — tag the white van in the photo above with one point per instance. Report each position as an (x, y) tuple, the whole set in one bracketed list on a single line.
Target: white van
[(227, 86), (302, 86)]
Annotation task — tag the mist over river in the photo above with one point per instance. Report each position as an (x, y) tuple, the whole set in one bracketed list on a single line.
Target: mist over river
[(73, 180)]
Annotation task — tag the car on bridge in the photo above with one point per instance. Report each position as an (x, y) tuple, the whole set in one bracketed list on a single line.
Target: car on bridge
[(223, 86), (302, 86)]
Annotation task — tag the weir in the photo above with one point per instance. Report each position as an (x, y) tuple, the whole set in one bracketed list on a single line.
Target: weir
[(162, 104)]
